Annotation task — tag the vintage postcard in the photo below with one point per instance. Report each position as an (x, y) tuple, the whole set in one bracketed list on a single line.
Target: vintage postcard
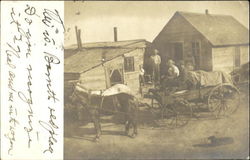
[(124, 80), (156, 80)]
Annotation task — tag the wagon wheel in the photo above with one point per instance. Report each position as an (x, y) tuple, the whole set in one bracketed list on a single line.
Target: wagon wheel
[(223, 100), (176, 115)]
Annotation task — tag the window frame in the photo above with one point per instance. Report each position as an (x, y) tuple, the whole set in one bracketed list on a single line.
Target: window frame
[(196, 51), (129, 67)]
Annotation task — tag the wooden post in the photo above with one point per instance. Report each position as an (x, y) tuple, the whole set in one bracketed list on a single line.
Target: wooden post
[(77, 40), (115, 34)]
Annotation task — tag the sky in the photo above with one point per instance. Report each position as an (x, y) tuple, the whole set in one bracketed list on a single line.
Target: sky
[(137, 20)]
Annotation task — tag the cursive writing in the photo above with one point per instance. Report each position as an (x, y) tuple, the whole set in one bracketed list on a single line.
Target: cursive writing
[(50, 16), (50, 126), (23, 35), (53, 25), (50, 59), (29, 102)]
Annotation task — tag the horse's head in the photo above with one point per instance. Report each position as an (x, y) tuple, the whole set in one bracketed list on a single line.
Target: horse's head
[(80, 95), (76, 95)]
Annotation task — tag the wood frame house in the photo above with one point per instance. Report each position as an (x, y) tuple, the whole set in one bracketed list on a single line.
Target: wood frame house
[(209, 41)]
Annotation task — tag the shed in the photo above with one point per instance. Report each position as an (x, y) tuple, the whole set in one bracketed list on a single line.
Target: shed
[(102, 64), (211, 42)]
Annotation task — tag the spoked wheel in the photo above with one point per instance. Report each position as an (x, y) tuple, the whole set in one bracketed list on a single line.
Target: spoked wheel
[(176, 115), (223, 100)]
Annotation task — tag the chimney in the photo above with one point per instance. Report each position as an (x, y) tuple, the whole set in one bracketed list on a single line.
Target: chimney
[(115, 34), (206, 11), (78, 38)]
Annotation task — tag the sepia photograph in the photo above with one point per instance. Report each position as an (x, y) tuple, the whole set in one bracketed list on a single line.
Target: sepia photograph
[(156, 80)]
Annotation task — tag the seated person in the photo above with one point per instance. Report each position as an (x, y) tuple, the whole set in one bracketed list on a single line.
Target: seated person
[(169, 81), (172, 69)]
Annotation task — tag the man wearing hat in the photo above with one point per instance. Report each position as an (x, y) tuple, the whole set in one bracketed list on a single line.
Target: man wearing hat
[(156, 61)]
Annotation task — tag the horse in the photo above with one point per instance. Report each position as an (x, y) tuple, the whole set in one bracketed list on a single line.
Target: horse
[(93, 104)]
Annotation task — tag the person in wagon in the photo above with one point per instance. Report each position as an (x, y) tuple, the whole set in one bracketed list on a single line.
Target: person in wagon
[(172, 69), (156, 61), (182, 70), (182, 78), (170, 80)]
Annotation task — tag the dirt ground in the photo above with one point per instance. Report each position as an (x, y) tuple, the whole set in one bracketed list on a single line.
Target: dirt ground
[(154, 142)]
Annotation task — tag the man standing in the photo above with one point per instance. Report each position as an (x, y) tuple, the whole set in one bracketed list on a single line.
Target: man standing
[(141, 75), (156, 60)]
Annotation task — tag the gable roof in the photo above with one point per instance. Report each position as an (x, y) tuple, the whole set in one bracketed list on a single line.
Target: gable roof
[(92, 54), (219, 30)]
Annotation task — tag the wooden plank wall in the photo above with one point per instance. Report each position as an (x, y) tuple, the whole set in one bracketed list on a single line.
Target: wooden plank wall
[(132, 78), (179, 30), (244, 54), (223, 59), (96, 79)]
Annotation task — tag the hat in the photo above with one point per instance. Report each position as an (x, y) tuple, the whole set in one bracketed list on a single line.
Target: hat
[(156, 51), (170, 62)]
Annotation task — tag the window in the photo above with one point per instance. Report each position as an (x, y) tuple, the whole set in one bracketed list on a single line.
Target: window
[(237, 57), (129, 64), (116, 77), (196, 53), (178, 49)]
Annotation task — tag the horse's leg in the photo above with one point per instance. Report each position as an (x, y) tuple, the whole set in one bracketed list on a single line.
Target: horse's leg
[(99, 131), (127, 125), (134, 122), (95, 118), (135, 127)]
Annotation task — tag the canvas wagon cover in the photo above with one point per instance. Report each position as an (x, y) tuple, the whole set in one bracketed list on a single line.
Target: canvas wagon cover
[(208, 78)]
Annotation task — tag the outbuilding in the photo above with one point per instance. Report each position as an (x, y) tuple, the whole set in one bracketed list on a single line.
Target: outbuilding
[(100, 65)]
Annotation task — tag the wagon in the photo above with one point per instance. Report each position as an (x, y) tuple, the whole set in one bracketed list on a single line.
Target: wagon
[(216, 92)]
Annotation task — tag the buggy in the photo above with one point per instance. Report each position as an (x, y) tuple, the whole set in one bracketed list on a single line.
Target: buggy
[(215, 90)]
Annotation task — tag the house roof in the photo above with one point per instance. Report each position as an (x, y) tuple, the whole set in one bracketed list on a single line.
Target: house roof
[(218, 29), (92, 54)]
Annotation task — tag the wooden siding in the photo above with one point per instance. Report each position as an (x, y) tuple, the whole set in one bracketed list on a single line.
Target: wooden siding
[(132, 78), (181, 31), (206, 56), (244, 54), (224, 58), (116, 63), (96, 79)]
